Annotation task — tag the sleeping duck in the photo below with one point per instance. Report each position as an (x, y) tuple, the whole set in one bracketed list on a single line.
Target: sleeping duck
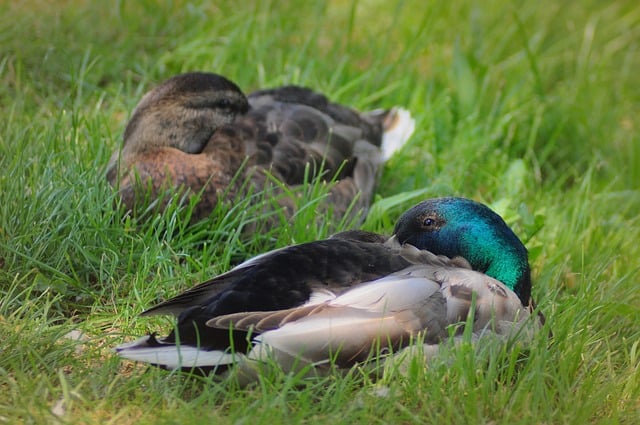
[(357, 292), (197, 133)]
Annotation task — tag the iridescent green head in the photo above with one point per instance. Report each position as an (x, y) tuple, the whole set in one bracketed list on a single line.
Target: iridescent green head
[(465, 228)]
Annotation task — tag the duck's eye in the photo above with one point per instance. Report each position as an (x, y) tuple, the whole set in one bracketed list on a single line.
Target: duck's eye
[(428, 223)]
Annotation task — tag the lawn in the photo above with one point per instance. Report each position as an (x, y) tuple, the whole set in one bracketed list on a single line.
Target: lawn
[(530, 107)]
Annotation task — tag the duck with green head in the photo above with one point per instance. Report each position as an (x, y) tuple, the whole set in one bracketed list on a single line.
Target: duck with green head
[(457, 227), (336, 300)]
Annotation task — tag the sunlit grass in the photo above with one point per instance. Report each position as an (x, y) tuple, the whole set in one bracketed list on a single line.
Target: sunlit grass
[(528, 106)]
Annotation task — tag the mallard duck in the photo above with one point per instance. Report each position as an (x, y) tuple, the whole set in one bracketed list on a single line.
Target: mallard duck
[(340, 297), (197, 132)]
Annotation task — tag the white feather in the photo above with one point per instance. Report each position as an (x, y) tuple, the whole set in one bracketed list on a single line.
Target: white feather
[(391, 293), (350, 323), (174, 356), (314, 338), (319, 296), (395, 137)]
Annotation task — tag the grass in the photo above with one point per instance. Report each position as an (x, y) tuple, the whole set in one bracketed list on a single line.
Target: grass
[(528, 106)]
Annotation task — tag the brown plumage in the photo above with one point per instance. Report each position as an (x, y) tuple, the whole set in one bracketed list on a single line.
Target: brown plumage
[(197, 133)]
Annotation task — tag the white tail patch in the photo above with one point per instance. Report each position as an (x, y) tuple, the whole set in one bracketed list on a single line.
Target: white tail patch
[(173, 356), (398, 128)]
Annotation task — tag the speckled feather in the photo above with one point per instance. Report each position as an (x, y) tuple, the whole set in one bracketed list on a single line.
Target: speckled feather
[(197, 133)]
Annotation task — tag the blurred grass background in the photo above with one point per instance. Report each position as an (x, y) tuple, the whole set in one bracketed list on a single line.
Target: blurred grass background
[(530, 107)]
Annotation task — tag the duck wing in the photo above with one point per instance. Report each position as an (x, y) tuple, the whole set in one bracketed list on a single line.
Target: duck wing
[(286, 277), (386, 312), (279, 280), (308, 136), (370, 124), (423, 299), (301, 136)]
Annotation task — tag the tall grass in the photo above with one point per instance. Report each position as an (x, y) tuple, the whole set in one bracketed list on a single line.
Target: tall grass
[(528, 106)]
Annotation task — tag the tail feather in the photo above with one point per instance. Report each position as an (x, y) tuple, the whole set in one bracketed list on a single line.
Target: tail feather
[(398, 125), (148, 349)]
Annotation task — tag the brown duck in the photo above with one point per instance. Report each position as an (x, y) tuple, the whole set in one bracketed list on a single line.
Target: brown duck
[(197, 133)]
